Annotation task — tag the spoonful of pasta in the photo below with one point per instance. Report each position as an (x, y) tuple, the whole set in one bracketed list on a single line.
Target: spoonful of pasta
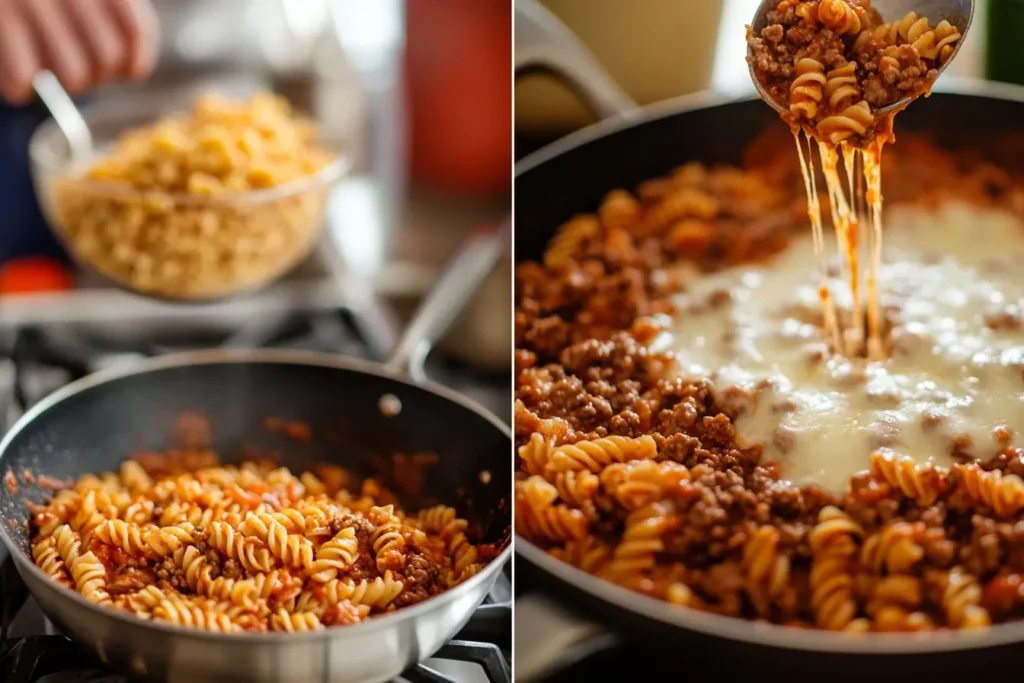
[(842, 68)]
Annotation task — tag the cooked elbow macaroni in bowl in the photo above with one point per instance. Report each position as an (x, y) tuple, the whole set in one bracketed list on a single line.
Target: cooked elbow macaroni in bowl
[(196, 206)]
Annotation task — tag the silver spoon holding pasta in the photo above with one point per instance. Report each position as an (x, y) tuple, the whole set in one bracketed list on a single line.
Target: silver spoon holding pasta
[(882, 36)]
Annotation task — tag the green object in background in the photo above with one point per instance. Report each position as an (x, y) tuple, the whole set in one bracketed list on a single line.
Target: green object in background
[(1004, 57)]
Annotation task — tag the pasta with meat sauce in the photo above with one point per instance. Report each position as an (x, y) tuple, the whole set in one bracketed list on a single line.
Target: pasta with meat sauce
[(635, 466), (835, 64), (251, 547)]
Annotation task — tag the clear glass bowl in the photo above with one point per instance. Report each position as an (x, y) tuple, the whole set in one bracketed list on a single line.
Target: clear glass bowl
[(181, 247)]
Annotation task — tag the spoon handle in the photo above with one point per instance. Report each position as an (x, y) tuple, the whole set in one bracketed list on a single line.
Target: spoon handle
[(64, 112)]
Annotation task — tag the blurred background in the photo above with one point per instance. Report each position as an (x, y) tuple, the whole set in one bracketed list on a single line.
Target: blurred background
[(419, 93), (658, 49)]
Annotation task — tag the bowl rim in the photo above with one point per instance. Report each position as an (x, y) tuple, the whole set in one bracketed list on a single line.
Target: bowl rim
[(45, 162)]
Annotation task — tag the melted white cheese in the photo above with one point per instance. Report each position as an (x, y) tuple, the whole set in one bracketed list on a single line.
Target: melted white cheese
[(949, 376)]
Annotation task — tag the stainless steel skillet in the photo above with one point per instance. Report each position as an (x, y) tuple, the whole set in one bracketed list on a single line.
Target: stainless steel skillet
[(93, 424)]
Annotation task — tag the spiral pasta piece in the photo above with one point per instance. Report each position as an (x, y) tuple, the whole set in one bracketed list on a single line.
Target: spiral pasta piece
[(841, 86), (961, 598), (90, 576), (295, 622), (1003, 493), (638, 483), (893, 549), (47, 558), (597, 454), (839, 16), (588, 554), (377, 594), (853, 120), (535, 454), (807, 89), (436, 518), (833, 542), (291, 549), (576, 487), (253, 556), (337, 554), (904, 474), (641, 541), (182, 614), (389, 547), (767, 569), (551, 524), (537, 492)]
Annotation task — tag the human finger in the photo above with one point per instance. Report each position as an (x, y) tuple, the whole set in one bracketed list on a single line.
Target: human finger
[(19, 60), (138, 23), (100, 34), (58, 44)]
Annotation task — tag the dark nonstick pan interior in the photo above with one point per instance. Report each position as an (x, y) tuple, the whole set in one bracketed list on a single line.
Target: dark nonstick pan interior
[(96, 428)]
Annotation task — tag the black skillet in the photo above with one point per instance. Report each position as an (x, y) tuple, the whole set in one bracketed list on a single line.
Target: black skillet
[(570, 614)]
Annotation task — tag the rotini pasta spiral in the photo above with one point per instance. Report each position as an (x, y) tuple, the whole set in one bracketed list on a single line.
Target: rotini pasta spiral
[(89, 576), (904, 474), (807, 89), (1003, 493), (377, 594), (337, 554), (638, 483), (555, 523), (852, 120), (535, 454), (291, 549), (295, 621), (841, 87), (839, 16), (961, 596), (598, 454), (767, 569), (641, 540), (251, 553), (893, 549), (182, 614), (833, 542), (49, 560)]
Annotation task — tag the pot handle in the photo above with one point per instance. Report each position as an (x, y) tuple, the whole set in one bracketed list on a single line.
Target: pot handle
[(548, 638), (461, 279), (542, 42)]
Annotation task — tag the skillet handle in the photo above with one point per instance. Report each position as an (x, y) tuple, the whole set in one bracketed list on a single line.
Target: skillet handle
[(544, 43), (460, 281), (548, 638)]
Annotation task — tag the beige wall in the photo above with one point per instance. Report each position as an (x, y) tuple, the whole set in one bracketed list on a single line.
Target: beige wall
[(655, 49)]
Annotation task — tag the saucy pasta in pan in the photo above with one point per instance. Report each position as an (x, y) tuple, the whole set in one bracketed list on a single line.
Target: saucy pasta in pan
[(686, 429), (251, 547)]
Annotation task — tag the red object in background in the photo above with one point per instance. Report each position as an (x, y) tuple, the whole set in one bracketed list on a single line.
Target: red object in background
[(458, 72), (34, 274)]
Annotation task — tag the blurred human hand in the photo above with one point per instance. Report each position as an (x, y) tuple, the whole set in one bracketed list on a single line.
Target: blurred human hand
[(85, 43)]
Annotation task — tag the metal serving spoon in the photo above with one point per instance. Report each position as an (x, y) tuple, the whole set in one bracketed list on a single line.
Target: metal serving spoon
[(70, 121), (960, 13)]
